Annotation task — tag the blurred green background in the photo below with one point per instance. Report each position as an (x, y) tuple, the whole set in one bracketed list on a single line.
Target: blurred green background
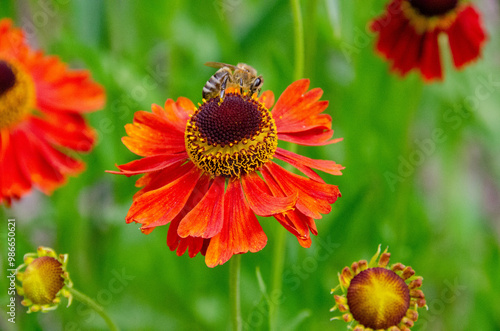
[(434, 202)]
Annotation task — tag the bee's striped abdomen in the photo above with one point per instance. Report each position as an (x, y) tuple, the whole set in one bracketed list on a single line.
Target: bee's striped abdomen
[(213, 86)]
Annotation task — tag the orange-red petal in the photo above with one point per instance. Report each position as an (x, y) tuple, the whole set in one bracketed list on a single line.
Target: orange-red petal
[(160, 206), (294, 221), (157, 179), (176, 113), (207, 217), (305, 164), (267, 99), (149, 164), (260, 200), (241, 231), (68, 130), (314, 197), (46, 165), (186, 104), (303, 117), (15, 179), (297, 224), (299, 110), (12, 42), (194, 245), (313, 137), (151, 134), (289, 99), (28, 159), (60, 89)]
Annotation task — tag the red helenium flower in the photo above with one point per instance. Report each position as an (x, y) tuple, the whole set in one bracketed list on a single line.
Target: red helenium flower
[(202, 168), (41, 102), (409, 29)]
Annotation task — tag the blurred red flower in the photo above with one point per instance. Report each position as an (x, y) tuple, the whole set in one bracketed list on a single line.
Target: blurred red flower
[(408, 35), (41, 123)]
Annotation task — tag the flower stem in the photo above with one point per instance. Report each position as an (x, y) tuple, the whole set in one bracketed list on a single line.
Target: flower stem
[(298, 26), (277, 277), (92, 304), (234, 291)]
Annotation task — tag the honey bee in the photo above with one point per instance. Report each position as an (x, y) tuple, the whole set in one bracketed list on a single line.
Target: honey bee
[(242, 76)]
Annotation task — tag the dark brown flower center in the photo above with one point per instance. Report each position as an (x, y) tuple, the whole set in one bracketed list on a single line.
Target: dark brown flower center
[(434, 7), (378, 298), (229, 122), (7, 77), (232, 137)]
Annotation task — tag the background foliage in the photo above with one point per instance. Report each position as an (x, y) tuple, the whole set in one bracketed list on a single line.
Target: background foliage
[(422, 166)]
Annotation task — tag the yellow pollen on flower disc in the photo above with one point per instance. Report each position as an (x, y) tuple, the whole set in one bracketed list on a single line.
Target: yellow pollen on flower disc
[(378, 298), (42, 280), (232, 137), (17, 94), (428, 15)]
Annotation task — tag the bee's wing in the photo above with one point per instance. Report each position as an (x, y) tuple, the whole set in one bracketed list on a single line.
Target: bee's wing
[(220, 65)]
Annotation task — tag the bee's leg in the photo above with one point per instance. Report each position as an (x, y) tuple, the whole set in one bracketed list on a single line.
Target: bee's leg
[(223, 87), (251, 91), (241, 86)]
